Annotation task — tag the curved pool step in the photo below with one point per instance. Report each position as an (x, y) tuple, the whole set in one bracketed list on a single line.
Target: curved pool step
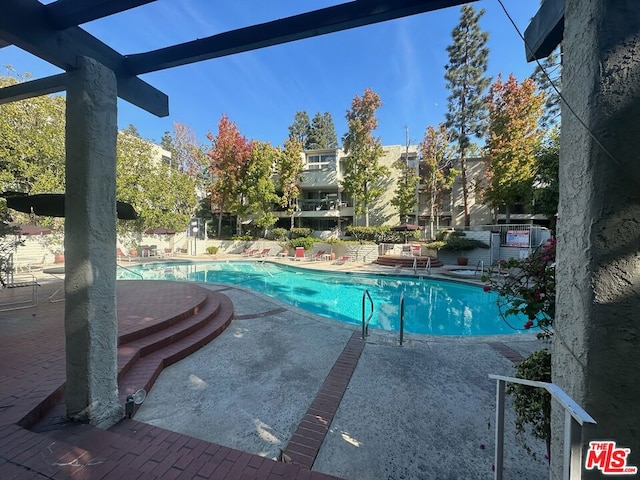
[(406, 262)]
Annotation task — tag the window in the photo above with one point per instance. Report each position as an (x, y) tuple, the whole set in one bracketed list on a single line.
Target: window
[(318, 162)]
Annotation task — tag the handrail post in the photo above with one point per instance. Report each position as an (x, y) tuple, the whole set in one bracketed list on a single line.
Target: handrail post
[(499, 457), (401, 318), (364, 328), (572, 448)]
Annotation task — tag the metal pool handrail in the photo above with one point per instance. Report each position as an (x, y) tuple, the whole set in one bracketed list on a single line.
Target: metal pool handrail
[(401, 318), (365, 323), (427, 266), (575, 418), (480, 265), (130, 271)]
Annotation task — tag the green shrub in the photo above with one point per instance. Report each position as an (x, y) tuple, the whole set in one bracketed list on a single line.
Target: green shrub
[(460, 244), (278, 234), (305, 242), (437, 245), (212, 250), (300, 232), (243, 238), (368, 234)]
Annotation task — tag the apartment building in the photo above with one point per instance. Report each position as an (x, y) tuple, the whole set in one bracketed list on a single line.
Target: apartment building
[(323, 205)]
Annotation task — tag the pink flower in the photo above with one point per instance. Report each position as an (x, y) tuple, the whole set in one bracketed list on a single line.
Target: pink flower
[(486, 288), (537, 294), (528, 325)]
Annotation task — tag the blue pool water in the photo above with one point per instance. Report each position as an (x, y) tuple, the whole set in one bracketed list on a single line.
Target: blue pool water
[(434, 307)]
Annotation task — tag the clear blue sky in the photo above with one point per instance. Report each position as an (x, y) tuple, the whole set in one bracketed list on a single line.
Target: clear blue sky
[(401, 60)]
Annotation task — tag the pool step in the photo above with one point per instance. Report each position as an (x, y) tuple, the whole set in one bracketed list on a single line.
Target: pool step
[(173, 344), (187, 318), (406, 262)]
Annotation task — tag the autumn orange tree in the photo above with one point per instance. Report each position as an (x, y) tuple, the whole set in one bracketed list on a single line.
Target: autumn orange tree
[(436, 170), (512, 140), (229, 158), (363, 172)]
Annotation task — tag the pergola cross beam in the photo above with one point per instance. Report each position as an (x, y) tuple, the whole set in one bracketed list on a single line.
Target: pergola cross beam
[(545, 31), (51, 33)]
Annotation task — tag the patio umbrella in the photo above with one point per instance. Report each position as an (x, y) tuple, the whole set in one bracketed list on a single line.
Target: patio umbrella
[(406, 228), (52, 205), (28, 229), (160, 231)]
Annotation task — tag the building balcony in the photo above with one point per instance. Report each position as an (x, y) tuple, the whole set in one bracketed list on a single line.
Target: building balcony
[(319, 179)]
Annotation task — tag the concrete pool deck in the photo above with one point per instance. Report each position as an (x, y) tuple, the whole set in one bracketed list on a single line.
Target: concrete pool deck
[(421, 411)]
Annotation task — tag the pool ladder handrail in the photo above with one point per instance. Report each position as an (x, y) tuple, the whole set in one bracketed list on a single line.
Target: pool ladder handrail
[(401, 318), (365, 322), (427, 266), (130, 271), (479, 265)]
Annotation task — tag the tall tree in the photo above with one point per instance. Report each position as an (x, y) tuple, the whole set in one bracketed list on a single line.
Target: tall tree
[(322, 133), (288, 168), (229, 155), (162, 196), (32, 150), (548, 77), (467, 82), (512, 141), (405, 198), (547, 189), (299, 129), (437, 171), (260, 190), (363, 172)]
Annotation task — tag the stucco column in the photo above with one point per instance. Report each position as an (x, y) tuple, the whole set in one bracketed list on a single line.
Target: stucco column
[(596, 353), (91, 391)]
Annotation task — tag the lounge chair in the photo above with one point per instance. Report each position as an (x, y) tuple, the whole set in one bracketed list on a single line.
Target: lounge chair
[(249, 252), (31, 266), (342, 260), (120, 255), (299, 255), (263, 253), (317, 256)]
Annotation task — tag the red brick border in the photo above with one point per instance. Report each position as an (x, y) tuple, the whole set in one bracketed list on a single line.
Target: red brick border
[(306, 441)]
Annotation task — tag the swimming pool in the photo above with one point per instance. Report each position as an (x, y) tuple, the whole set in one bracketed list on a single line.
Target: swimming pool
[(434, 307)]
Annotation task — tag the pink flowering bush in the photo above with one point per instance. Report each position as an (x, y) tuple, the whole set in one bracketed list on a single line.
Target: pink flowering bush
[(527, 287)]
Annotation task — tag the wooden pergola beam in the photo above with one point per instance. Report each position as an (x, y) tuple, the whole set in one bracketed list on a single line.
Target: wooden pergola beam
[(70, 13), (545, 31), (306, 25)]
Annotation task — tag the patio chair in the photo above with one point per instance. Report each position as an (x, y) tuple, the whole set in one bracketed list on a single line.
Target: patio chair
[(249, 252), (120, 255), (263, 253), (299, 255), (30, 266), (317, 256), (342, 260)]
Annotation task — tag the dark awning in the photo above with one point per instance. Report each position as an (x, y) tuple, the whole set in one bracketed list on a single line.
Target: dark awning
[(52, 205)]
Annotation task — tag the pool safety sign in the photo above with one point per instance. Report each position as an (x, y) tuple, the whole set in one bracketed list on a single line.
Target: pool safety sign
[(609, 459), (517, 238)]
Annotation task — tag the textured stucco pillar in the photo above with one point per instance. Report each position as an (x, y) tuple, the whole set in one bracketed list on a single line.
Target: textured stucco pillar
[(91, 392), (596, 353)]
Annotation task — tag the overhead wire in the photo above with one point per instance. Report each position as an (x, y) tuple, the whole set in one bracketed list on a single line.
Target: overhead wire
[(556, 89)]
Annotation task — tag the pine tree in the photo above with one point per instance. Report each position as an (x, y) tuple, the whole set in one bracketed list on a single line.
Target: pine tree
[(299, 129), (547, 74), (322, 133), (466, 80)]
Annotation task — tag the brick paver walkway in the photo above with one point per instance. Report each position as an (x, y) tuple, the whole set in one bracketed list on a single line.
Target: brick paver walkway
[(35, 440)]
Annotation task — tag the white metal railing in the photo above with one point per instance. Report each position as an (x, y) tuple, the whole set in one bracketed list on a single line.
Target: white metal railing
[(427, 266), (575, 417), (480, 266)]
